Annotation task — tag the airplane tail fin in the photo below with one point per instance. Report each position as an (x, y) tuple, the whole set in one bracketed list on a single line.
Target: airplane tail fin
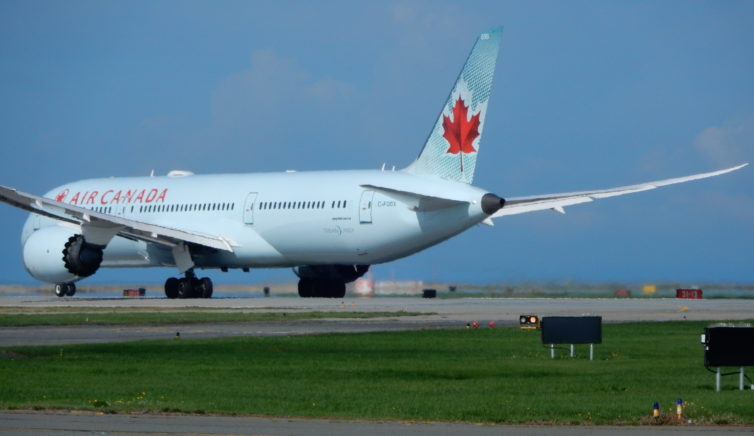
[(452, 146)]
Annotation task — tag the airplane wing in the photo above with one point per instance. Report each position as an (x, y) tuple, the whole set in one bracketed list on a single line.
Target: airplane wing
[(557, 202), (111, 224)]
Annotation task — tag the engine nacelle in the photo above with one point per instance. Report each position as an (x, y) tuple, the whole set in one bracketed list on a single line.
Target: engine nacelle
[(81, 258), (58, 255), (344, 273)]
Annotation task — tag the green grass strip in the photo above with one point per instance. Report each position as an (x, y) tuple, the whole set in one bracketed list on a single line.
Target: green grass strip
[(169, 318), (500, 375)]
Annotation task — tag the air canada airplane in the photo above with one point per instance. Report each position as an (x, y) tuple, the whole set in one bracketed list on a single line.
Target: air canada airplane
[(329, 226)]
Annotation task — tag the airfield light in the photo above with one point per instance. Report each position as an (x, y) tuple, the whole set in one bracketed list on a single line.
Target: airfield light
[(528, 321)]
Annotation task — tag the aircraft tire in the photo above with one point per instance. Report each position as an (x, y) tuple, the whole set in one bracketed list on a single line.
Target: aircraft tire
[(205, 287), (322, 288), (306, 288), (336, 289), (171, 287), (185, 288), (70, 289), (60, 290)]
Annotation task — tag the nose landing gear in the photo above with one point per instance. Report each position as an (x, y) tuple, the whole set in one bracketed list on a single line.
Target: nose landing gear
[(188, 287)]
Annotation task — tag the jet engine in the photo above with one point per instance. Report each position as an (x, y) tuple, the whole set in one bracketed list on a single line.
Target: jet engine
[(56, 254), (81, 258)]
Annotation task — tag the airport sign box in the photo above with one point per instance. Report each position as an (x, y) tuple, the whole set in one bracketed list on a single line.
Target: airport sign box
[(571, 330), (728, 346)]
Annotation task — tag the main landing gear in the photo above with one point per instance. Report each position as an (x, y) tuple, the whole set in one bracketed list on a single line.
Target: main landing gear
[(322, 288), (63, 289), (188, 287)]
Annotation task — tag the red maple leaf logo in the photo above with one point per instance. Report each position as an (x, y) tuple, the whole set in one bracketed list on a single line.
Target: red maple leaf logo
[(62, 195), (461, 132)]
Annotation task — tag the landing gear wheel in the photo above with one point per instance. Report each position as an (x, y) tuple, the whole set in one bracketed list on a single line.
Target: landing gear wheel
[(70, 289), (306, 288), (321, 288), (185, 288), (337, 289), (60, 290), (205, 288), (171, 287)]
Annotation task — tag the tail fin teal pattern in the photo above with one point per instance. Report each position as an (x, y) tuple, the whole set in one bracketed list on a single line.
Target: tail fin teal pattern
[(451, 149)]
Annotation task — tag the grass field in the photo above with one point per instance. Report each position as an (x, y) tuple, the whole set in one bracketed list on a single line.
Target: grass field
[(477, 375), (110, 317)]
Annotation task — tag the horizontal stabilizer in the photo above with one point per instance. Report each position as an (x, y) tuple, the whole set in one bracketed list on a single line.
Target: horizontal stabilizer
[(418, 201)]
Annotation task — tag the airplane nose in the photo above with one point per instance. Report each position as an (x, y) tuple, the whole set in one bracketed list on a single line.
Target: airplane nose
[(491, 203)]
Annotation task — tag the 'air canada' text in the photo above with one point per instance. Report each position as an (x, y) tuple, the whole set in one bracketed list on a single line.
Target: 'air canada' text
[(111, 196)]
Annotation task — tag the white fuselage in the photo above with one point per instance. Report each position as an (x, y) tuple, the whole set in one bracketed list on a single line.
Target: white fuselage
[(274, 219)]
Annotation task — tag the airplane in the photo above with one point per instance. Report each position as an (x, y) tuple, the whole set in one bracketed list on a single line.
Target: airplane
[(328, 226)]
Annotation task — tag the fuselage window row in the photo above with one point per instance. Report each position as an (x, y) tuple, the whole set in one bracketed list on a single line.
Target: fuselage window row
[(277, 205), (192, 207)]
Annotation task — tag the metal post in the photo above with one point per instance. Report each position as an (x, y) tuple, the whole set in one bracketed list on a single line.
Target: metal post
[(717, 380), (741, 379), (552, 351), (591, 351), (571, 350)]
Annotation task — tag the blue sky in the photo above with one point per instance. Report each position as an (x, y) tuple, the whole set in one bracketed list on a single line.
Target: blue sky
[(588, 94)]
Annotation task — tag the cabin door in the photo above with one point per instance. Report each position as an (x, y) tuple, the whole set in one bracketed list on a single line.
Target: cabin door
[(365, 207), (248, 208)]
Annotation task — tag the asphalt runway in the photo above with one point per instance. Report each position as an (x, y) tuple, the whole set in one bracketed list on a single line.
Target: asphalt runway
[(436, 313), (61, 423)]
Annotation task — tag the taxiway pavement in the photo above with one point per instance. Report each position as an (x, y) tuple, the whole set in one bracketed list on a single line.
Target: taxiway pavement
[(71, 423), (434, 313)]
